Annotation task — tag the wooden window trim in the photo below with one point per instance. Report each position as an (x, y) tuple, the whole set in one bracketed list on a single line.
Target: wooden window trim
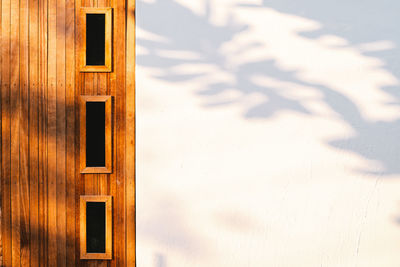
[(107, 11), (108, 202), (108, 142)]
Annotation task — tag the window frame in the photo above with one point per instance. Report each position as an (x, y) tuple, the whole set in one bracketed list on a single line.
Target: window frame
[(108, 134), (107, 67), (108, 206)]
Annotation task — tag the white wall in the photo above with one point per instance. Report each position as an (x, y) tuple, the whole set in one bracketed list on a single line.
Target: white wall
[(268, 133)]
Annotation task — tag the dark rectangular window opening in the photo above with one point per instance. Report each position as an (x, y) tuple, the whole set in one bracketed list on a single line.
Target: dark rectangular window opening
[(95, 134), (95, 53), (95, 227), (95, 39)]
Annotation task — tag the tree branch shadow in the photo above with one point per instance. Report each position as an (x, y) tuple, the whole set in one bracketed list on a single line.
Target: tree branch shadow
[(179, 29)]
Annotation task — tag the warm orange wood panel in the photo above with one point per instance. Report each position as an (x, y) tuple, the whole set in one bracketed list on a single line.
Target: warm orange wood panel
[(51, 126), (15, 128), (41, 84), (130, 140), (34, 132), (1, 184), (24, 134), (43, 134), (6, 133), (70, 130)]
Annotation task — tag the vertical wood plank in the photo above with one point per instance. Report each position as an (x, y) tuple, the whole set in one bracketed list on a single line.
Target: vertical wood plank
[(6, 132), (80, 182), (52, 134), (113, 176), (61, 136), (130, 135), (1, 177), (43, 140), (24, 132), (101, 3), (70, 116), (15, 113), (119, 53), (33, 130)]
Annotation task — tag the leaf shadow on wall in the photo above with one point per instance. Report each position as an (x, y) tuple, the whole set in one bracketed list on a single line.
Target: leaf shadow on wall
[(184, 30), (371, 27)]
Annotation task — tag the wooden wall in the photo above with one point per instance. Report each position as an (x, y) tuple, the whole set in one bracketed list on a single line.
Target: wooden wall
[(40, 87)]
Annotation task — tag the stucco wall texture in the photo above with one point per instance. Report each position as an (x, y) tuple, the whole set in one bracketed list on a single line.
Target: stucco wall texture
[(268, 133)]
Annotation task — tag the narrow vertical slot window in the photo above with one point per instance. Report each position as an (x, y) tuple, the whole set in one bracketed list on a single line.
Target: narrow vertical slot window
[(96, 39), (95, 134), (96, 227)]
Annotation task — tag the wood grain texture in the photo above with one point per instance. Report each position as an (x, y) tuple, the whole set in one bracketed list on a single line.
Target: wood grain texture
[(40, 86), (70, 131), (1, 202), (6, 132), (24, 133), (52, 133), (130, 138), (34, 131), (61, 136), (79, 89), (43, 134), (120, 107), (15, 127)]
